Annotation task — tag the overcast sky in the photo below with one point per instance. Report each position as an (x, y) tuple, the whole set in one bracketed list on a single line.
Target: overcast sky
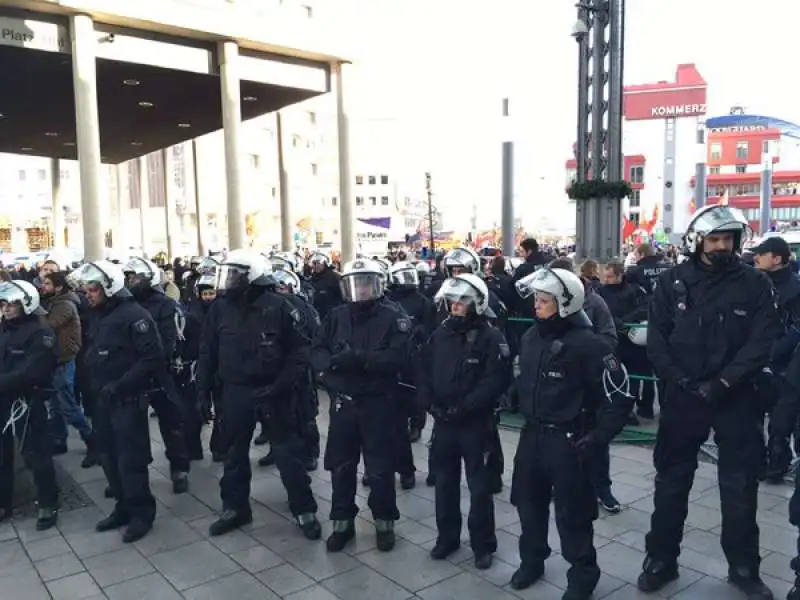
[(441, 67)]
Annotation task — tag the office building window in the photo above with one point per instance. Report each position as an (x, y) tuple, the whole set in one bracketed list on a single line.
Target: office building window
[(741, 168), (312, 117), (274, 191), (308, 10), (359, 179), (296, 141), (373, 201), (254, 160), (741, 150), (64, 174), (716, 151), (359, 201), (372, 180), (634, 218), (765, 147), (713, 170), (23, 175), (334, 201), (269, 133), (637, 174), (314, 168), (635, 198), (384, 200), (42, 174), (384, 180)]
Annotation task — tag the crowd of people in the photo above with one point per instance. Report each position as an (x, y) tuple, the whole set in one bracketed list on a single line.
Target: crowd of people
[(244, 341)]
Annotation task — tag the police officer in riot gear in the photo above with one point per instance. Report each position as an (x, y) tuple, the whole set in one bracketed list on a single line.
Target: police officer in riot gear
[(710, 332), (463, 371), (357, 355), (325, 282), (253, 343), (290, 262), (28, 362), (124, 355), (288, 284), (573, 393), (403, 289), (649, 267), (144, 280), (772, 257)]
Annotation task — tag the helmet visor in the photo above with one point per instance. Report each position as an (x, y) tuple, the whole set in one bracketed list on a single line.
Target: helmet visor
[(460, 258), (231, 277), (405, 277), (361, 287), (543, 281), (720, 219), (286, 279), (91, 274), (10, 293), (458, 291)]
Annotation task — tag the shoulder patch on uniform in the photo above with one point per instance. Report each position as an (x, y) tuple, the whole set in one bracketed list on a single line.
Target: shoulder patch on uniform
[(505, 351), (611, 362), (403, 325), (48, 340), (141, 326)]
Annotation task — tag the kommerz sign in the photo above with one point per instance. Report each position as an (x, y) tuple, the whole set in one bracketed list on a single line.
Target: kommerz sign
[(679, 110)]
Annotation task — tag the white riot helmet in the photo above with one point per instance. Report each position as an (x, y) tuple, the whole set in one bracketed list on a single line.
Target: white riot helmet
[(403, 274), (286, 279), (104, 273), (461, 258), (321, 258), (566, 287), (284, 260), (716, 218), (362, 280), (423, 268), (142, 273), (638, 334), (467, 289), (208, 266), (242, 268), (23, 292)]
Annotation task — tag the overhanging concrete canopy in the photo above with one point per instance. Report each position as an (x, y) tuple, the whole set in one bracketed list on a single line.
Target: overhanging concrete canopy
[(153, 92)]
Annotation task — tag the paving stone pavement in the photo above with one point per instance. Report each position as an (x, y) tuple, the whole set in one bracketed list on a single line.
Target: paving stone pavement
[(269, 559)]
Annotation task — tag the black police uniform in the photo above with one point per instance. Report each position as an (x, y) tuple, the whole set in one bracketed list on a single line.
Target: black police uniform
[(787, 288), (124, 355), (28, 361), (646, 272), (357, 354), (785, 415), (164, 396), (462, 372), (307, 399), (570, 413), (422, 313), (327, 294), (184, 371), (709, 334), (254, 346)]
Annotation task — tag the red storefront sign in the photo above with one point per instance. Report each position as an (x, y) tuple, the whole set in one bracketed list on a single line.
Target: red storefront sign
[(642, 105)]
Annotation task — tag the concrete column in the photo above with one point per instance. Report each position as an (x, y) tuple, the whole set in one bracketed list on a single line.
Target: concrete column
[(700, 184), (169, 202), (84, 78), (144, 201), (766, 193), (287, 243), (507, 220), (198, 207), (347, 228), (58, 210), (232, 124), (119, 234)]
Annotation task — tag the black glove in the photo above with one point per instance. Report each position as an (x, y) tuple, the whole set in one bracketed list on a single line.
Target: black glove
[(711, 391), (347, 360), (588, 445), (204, 406), (107, 394)]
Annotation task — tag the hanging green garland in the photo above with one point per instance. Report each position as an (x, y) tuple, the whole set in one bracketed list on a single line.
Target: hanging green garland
[(587, 190)]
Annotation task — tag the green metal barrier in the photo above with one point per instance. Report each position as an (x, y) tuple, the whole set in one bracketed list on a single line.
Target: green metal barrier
[(643, 434)]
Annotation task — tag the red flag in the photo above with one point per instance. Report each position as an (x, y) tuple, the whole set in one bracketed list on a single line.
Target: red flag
[(628, 228)]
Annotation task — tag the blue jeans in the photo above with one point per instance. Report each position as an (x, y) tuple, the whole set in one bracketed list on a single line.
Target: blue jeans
[(65, 407)]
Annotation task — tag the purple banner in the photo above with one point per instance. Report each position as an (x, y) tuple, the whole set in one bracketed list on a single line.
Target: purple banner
[(381, 222)]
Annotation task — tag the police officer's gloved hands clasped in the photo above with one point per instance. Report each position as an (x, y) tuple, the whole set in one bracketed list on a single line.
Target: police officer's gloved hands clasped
[(347, 360), (107, 394), (711, 391), (588, 444)]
